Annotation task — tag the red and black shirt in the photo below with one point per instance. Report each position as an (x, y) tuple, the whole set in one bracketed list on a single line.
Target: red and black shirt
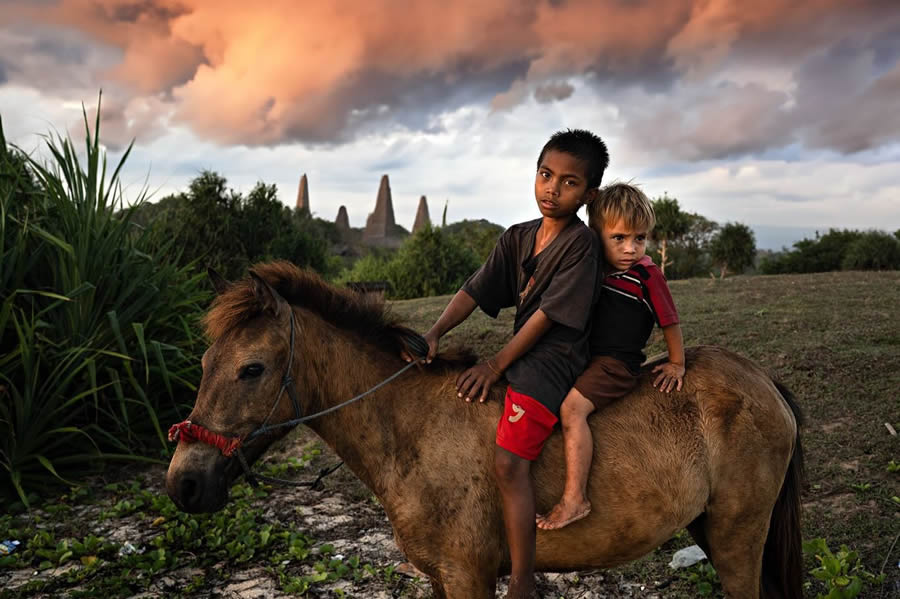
[(630, 302)]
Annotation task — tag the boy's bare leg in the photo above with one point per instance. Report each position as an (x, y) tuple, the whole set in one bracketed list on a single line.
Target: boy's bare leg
[(517, 495), (574, 504)]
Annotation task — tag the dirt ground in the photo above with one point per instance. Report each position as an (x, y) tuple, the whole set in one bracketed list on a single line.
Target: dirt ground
[(343, 515)]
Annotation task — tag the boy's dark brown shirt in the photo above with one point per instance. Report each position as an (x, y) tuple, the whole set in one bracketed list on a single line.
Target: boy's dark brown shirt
[(561, 281)]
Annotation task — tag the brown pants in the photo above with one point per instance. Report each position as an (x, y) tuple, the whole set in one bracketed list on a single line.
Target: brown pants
[(604, 380)]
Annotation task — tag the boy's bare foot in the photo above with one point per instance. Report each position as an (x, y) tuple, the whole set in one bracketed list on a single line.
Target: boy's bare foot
[(563, 514)]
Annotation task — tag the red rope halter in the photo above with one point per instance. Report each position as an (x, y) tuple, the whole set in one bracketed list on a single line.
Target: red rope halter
[(189, 432)]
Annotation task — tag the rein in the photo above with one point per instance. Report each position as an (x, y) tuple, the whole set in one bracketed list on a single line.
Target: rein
[(189, 432)]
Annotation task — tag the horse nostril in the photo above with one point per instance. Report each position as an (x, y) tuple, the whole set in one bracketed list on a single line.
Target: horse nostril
[(189, 491)]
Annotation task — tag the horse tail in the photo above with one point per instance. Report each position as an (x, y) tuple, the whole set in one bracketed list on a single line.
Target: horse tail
[(782, 568)]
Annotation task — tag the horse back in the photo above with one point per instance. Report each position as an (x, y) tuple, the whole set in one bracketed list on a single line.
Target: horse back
[(659, 458)]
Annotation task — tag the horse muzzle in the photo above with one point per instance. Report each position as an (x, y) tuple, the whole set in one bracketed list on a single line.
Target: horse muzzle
[(198, 478)]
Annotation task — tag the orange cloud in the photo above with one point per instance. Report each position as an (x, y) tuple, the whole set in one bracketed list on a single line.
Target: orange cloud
[(263, 73)]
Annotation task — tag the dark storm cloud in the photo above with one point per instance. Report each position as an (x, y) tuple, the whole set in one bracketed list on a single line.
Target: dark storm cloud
[(551, 92), (52, 59), (688, 77)]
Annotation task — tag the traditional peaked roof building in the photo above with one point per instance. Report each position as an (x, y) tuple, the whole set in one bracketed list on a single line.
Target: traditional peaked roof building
[(422, 217), (303, 195), (380, 225), (342, 222)]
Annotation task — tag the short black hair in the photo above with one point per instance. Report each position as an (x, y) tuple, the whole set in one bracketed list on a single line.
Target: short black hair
[(584, 146)]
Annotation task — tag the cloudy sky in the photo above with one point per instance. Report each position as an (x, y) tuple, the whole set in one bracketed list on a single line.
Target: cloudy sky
[(780, 114)]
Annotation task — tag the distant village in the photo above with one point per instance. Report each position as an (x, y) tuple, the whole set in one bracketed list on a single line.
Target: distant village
[(381, 229)]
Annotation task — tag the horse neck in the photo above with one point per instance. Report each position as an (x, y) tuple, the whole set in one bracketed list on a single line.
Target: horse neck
[(337, 365)]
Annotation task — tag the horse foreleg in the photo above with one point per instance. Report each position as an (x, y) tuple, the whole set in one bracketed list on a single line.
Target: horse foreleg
[(437, 589)]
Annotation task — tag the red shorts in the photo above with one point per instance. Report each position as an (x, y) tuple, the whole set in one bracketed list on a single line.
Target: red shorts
[(524, 426)]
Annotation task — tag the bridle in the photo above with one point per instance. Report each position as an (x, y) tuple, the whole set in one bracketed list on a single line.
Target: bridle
[(189, 432)]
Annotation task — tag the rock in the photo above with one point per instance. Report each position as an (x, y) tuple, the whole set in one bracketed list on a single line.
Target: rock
[(684, 558)]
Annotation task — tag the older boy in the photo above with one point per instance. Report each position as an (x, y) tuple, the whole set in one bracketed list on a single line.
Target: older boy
[(547, 269), (634, 296)]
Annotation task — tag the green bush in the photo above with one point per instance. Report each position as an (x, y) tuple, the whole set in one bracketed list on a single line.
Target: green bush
[(822, 254), (226, 230), (873, 250), (99, 351), (431, 262), (371, 267)]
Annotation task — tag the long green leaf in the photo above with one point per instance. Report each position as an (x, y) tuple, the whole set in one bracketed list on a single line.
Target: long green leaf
[(139, 333), (53, 239), (43, 293), (49, 466)]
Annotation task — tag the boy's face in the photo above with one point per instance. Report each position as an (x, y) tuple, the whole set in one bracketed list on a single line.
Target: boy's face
[(622, 246), (560, 185)]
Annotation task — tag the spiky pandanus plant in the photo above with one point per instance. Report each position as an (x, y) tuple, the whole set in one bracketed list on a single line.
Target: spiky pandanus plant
[(98, 343)]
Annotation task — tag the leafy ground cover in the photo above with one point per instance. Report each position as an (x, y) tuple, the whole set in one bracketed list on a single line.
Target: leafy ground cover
[(830, 337)]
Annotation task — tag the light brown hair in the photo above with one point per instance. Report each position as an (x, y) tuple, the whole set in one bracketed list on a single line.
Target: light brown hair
[(621, 201)]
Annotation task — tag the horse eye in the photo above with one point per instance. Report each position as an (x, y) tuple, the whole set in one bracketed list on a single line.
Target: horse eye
[(251, 371)]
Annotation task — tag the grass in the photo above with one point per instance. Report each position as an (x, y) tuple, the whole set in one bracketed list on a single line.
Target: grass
[(829, 337)]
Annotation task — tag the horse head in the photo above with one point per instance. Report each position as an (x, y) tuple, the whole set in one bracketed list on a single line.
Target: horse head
[(241, 390)]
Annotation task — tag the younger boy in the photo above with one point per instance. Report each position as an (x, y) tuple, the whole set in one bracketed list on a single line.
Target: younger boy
[(547, 269), (634, 296)]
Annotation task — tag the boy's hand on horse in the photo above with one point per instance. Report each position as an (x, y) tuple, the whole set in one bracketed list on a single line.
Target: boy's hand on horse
[(671, 375), (432, 340), (477, 381)]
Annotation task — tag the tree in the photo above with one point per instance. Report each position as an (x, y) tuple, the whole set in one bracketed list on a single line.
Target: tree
[(430, 263), (822, 254), (221, 228), (874, 250), (671, 223), (203, 220), (480, 236), (689, 253), (734, 248)]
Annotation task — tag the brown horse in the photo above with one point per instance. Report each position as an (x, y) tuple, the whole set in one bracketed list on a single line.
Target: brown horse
[(722, 457)]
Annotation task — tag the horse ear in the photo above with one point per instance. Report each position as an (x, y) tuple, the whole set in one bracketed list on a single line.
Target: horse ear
[(270, 299), (218, 281)]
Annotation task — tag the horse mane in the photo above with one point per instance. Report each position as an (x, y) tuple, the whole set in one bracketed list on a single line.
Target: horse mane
[(367, 316)]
